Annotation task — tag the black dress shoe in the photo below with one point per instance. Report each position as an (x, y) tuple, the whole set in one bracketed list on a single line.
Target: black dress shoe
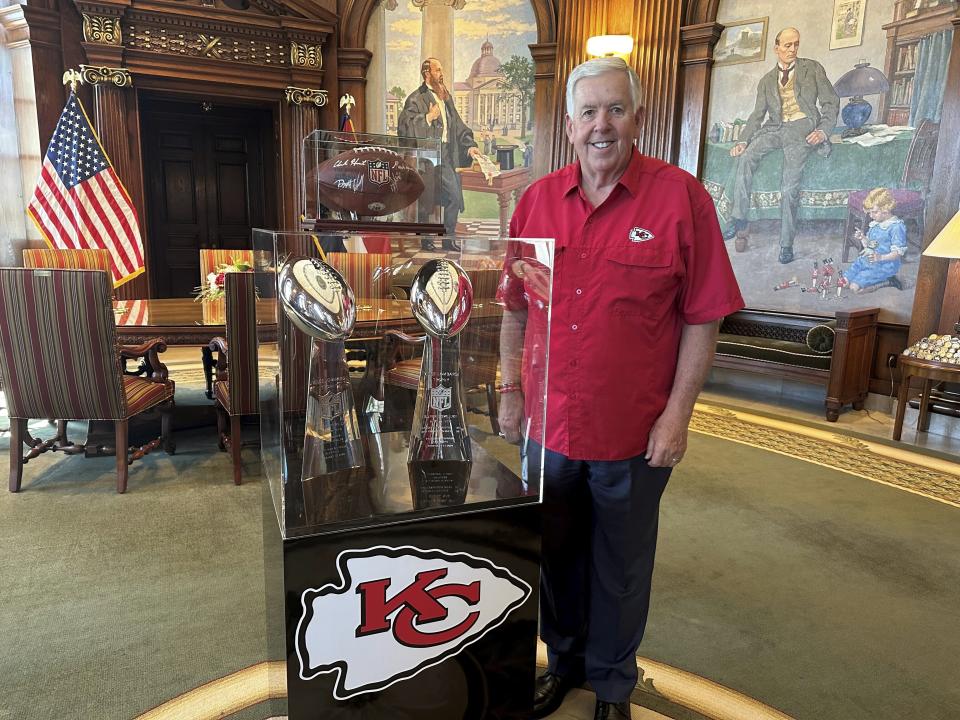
[(451, 245), (786, 255), (428, 245), (549, 693), (612, 711)]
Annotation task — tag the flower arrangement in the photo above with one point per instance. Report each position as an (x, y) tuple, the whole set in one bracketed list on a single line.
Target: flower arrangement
[(213, 288)]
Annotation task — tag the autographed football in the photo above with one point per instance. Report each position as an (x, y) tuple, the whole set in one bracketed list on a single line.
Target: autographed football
[(368, 181)]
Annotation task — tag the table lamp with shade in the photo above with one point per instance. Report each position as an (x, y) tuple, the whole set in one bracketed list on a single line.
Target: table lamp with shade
[(944, 348), (862, 80)]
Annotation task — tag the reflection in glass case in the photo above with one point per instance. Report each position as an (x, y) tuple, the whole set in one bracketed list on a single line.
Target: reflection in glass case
[(379, 391), (383, 180)]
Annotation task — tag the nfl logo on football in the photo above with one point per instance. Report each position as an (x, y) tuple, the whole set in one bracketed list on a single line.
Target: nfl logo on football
[(378, 171), (440, 398)]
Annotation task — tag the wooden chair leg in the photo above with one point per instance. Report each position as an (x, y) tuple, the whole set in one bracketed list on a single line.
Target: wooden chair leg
[(235, 443), (62, 433), (18, 433), (166, 428), (221, 426), (122, 443), (492, 407)]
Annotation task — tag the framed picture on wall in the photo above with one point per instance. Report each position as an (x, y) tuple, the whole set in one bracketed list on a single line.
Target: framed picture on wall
[(742, 42), (846, 30)]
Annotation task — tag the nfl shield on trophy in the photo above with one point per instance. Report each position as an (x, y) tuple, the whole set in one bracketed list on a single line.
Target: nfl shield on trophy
[(440, 459), (319, 301)]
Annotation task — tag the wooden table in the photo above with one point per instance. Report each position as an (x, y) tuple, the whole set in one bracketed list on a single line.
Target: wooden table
[(181, 321), (930, 372), (508, 183)]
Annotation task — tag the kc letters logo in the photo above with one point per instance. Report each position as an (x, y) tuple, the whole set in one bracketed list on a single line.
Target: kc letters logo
[(398, 611)]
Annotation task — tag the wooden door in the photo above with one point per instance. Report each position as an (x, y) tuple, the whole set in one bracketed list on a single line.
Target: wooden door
[(207, 185)]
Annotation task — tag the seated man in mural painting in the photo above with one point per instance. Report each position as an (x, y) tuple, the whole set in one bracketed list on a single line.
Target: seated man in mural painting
[(795, 111)]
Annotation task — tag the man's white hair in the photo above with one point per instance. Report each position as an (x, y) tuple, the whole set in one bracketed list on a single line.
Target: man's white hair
[(599, 66)]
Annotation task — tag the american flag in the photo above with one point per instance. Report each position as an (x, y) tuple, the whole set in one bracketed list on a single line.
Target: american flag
[(79, 201)]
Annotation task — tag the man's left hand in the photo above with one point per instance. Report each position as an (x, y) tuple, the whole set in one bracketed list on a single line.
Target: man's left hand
[(816, 137), (667, 442), (473, 152)]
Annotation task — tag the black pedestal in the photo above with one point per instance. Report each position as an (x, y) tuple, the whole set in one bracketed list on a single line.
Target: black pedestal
[(431, 614)]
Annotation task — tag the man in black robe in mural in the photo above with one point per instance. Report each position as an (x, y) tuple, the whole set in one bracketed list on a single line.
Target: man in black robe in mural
[(429, 112)]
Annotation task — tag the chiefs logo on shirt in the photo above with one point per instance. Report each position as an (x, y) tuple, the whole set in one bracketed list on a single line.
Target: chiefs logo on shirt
[(639, 234), (397, 611)]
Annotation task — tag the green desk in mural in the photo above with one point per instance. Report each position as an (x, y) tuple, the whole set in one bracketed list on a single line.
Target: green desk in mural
[(826, 181)]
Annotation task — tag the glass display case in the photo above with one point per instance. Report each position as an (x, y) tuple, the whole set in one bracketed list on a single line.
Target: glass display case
[(361, 180), (341, 406)]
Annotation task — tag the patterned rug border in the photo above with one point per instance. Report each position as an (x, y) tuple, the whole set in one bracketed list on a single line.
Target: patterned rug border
[(897, 467)]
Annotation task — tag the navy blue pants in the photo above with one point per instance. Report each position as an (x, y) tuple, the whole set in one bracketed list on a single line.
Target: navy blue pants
[(599, 540)]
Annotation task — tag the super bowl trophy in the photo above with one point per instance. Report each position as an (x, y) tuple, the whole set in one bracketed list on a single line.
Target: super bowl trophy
[(440, 458), (319, 301)]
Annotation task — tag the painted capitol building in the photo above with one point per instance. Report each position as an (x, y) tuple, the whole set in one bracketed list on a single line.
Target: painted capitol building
[(481, 102)]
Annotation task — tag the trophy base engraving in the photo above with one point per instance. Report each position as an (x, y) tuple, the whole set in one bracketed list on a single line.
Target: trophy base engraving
[(438, 483)]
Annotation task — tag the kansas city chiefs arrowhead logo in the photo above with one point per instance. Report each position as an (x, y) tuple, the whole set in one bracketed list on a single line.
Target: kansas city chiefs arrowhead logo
[(398, 611)]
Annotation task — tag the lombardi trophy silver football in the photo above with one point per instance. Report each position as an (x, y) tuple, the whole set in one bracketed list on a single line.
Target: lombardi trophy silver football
[(440, 457), (318, 301)]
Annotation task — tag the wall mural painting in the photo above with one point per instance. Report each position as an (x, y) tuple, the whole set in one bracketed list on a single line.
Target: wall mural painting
[(489, 75), (819, 158)]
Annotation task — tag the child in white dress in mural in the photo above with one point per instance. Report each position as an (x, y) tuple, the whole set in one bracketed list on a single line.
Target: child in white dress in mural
[(884, 245)]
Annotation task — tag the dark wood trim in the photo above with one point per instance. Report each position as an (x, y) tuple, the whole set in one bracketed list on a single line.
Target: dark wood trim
[(353, 65), (696, 61), (942, 203)]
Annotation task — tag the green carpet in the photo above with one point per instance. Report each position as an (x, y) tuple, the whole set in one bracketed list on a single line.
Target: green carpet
[(822, 594), (113, 604)]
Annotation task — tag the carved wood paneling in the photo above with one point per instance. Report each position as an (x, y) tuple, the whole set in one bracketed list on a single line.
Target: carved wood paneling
[(301, 119), (354, 62), (656, 28), (576, 21), (544, 103), (696, 67)]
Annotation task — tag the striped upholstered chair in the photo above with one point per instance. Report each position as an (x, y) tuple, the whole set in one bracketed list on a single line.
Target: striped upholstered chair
[(211, 259), (67, 259), (235, 389), (479, 348), (72, 369)]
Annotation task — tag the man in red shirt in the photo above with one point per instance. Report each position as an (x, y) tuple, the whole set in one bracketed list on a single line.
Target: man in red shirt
[(640, 280)]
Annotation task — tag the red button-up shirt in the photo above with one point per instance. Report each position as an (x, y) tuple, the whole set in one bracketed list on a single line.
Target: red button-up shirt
[(627, 276)]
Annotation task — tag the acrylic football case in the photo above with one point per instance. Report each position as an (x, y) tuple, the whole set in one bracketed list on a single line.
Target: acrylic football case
[(422, 155), (384, 369)]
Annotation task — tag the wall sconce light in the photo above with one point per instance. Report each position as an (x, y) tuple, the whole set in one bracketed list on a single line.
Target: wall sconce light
[(606, 45)]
